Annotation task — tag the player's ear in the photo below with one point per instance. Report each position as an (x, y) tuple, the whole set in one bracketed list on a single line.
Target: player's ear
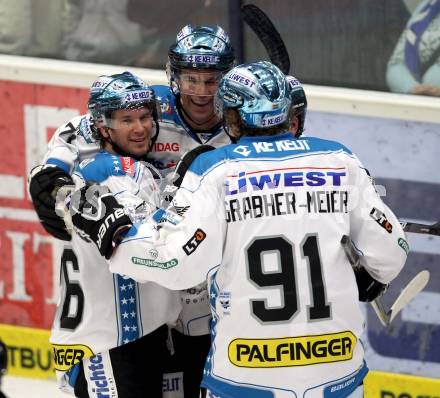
[(104, 131), (294, 125)]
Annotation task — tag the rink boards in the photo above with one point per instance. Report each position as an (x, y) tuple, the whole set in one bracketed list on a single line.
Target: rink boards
[(396, 137)]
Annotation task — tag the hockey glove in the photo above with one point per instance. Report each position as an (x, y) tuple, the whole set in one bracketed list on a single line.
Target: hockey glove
[(45, 181), (369, 288), (97, 215)]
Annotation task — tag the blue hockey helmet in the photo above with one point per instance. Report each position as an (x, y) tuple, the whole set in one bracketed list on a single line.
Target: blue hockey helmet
[(199, 48), (259, 91), (299, 102), (202, 47), (124, 90)]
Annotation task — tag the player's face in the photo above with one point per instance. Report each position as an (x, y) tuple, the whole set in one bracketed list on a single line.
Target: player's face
[(197, 92), (131, 130)]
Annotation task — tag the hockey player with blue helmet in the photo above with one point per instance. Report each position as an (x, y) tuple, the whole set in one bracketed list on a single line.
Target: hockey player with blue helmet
[(110, 94), (196, 63), (263, 226), (116, 325), (197, 60), (200, 56)]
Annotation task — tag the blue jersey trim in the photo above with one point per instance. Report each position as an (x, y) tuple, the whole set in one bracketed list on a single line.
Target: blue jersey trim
[(56, 162), (346, 385), (158, 214), (230, 390), (245, 150), (72, 374), (103, 166), (128, 309)]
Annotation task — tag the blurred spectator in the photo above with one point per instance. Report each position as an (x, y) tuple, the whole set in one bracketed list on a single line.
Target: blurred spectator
[(163, 18), (31, 27), (414, 67), (99, 31)]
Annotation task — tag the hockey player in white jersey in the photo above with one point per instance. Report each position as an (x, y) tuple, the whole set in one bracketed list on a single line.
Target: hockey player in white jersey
[(197, 60), (107, 326), (263, 224)]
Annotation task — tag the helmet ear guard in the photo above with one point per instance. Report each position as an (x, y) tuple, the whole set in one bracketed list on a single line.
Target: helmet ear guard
[(299, 102)]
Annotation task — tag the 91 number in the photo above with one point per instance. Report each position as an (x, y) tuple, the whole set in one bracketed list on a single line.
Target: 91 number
[(285, 279)]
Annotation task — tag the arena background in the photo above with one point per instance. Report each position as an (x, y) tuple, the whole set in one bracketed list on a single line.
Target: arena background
[(339, 48)]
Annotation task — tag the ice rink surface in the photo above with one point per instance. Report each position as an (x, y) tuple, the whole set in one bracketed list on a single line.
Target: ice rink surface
[(20, 387)]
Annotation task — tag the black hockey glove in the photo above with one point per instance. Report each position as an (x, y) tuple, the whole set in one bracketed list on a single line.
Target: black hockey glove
[(45, 181), (98, 216), (369, 288)]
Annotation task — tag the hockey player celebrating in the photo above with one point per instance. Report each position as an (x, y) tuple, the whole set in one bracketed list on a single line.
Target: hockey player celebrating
[(264, 223), (107, 326), (197, 60)]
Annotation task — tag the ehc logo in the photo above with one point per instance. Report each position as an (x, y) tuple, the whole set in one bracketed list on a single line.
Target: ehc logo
[(191, 246)]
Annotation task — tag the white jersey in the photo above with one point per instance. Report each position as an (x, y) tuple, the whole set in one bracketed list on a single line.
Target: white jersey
[(99, 310), (73, 142), (263, 221)]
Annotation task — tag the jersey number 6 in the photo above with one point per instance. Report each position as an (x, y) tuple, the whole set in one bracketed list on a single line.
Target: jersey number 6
[(72, 289)]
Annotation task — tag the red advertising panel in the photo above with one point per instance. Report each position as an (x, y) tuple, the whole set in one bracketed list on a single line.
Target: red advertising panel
[(28, 275)]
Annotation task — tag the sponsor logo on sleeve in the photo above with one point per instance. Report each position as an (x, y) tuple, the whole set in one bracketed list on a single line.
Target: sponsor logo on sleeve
[(292, 351), (404, 245), (191, 246), (146, 262), (128, 165), (65, 356), (381, 219)]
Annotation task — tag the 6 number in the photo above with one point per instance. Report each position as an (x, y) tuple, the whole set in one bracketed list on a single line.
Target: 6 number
[(73, 289)]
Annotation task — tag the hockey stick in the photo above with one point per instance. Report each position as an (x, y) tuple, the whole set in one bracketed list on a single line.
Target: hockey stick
[(263, 27), (414, 287), (417, 228), (411, 290)]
